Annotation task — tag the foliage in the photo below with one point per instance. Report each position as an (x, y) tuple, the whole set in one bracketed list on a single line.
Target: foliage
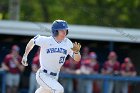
[(116, 13)]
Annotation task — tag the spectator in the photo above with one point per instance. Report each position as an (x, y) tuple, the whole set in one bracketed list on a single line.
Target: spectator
[(111, 67), (85, 52), (12, 64), (69, 67), (94, 63), (33, 85), (89, 65), (127, 69), (85, 55)]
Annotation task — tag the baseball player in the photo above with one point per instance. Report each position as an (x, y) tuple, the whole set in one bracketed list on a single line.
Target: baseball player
[(53, 52)]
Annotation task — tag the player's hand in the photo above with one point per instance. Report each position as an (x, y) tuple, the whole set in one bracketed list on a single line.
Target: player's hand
[(24, 60), (16, 61), (76, 47)]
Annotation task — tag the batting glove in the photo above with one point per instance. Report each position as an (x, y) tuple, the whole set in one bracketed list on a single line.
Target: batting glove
[(24, 60), (76, 47)]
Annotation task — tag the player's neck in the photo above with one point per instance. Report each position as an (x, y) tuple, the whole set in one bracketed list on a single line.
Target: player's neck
[(57, 39)]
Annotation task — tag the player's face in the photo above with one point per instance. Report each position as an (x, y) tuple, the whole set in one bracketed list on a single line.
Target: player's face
[(15, 52), (62, 34)]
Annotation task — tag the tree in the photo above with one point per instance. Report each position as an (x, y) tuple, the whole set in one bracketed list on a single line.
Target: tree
[(116, 13), (14, 9)]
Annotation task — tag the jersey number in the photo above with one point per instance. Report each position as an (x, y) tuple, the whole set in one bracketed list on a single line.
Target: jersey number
[(62, 59)]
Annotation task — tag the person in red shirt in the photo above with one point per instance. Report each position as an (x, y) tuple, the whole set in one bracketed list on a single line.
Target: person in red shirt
[(12, 64), (33, 85), (85, 55), (127, 69), (111, 67), (89, 65)]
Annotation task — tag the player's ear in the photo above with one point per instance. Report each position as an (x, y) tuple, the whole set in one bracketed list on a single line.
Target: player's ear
[(67, 32), (56, 33)]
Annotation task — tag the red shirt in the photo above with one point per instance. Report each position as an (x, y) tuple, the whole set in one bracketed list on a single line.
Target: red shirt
[(36, 61), (127, 68), (9, 61), (70, 63), (88, 63), (111, 67)]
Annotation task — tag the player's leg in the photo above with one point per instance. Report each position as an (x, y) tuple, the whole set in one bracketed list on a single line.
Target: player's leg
[(16, 79), (9, 83), (32, 83), (49, 83), (111, 86), (42, 90), (67, 83), (125, 87), (38, 90), (89, 86)]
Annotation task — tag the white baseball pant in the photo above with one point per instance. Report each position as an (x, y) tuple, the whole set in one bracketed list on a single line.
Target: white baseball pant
[(48, 83)]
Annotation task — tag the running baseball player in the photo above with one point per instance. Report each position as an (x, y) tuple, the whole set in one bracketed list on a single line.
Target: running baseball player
[(54, 50)]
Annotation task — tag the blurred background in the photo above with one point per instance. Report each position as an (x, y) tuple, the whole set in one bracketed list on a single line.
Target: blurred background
[(108, 30)]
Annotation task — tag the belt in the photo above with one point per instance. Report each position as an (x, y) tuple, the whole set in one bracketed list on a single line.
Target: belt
[(51, 73)]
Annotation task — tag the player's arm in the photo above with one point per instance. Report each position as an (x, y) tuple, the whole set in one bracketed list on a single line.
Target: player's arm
[(76, 49), (19, 65), (29, 47), (77, 57), (35, 68), (5, 64), (5, 67)]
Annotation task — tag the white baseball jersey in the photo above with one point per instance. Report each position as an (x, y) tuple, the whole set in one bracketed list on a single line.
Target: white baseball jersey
[(52, 53)]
